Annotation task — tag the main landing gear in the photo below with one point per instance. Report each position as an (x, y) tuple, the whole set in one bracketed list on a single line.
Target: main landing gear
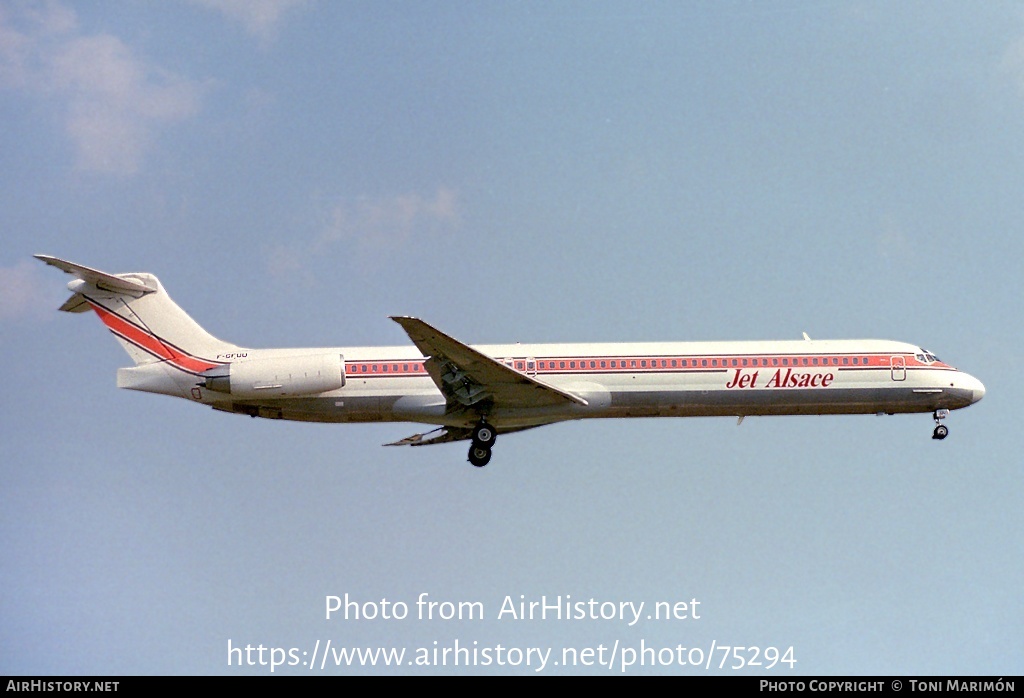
[(941, 430), (484, 436)]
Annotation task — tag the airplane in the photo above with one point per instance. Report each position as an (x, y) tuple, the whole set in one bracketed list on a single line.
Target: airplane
[(473, 393)]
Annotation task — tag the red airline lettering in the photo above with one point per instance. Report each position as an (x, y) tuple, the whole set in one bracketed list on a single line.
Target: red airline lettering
[(743, 381), (787, 378)]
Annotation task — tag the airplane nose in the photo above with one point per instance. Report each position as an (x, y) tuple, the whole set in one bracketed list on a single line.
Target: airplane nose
[(977, 389)]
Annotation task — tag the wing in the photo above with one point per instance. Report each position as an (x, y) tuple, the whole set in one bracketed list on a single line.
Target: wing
[(471, 380)]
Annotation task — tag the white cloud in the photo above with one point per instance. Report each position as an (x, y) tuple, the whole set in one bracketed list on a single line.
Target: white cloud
[(390, 223), (22, 292), (287, 263), (371, 228), (260, 18), (19, 48), (115, 102)]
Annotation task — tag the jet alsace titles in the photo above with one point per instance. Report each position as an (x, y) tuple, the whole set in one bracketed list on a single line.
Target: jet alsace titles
[(476, 392)]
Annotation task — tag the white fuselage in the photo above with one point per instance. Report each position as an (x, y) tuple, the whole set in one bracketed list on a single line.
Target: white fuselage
[(635, 380)]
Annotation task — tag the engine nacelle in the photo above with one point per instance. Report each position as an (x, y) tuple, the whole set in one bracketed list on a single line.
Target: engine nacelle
[(278, 376)]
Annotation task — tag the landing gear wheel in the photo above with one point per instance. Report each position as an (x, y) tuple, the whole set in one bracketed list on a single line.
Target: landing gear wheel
[(941, 431), (484, 435), (479, 455)]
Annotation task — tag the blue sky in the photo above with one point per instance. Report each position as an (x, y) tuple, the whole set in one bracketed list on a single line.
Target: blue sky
[(295, 172)]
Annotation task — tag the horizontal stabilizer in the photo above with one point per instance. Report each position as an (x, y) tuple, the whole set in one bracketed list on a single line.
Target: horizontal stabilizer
[(75, 304), (99, 279)]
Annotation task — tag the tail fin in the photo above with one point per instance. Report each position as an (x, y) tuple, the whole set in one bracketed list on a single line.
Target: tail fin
[(150, 326)]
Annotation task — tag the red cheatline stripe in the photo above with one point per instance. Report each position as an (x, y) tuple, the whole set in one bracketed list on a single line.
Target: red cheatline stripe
[(148, 342), (385, 368), (689, 364)]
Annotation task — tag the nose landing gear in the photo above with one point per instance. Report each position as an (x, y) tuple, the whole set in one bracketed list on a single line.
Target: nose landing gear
[(941, 431), (484, 436)]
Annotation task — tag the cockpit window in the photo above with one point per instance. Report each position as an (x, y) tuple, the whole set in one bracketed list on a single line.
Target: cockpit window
[(927, 357)]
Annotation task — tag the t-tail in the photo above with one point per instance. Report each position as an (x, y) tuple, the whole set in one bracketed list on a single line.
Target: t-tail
[(169, 348)]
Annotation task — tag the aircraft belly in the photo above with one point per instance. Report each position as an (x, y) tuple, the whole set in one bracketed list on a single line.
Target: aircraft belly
[(425, 407), (309, 409)]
